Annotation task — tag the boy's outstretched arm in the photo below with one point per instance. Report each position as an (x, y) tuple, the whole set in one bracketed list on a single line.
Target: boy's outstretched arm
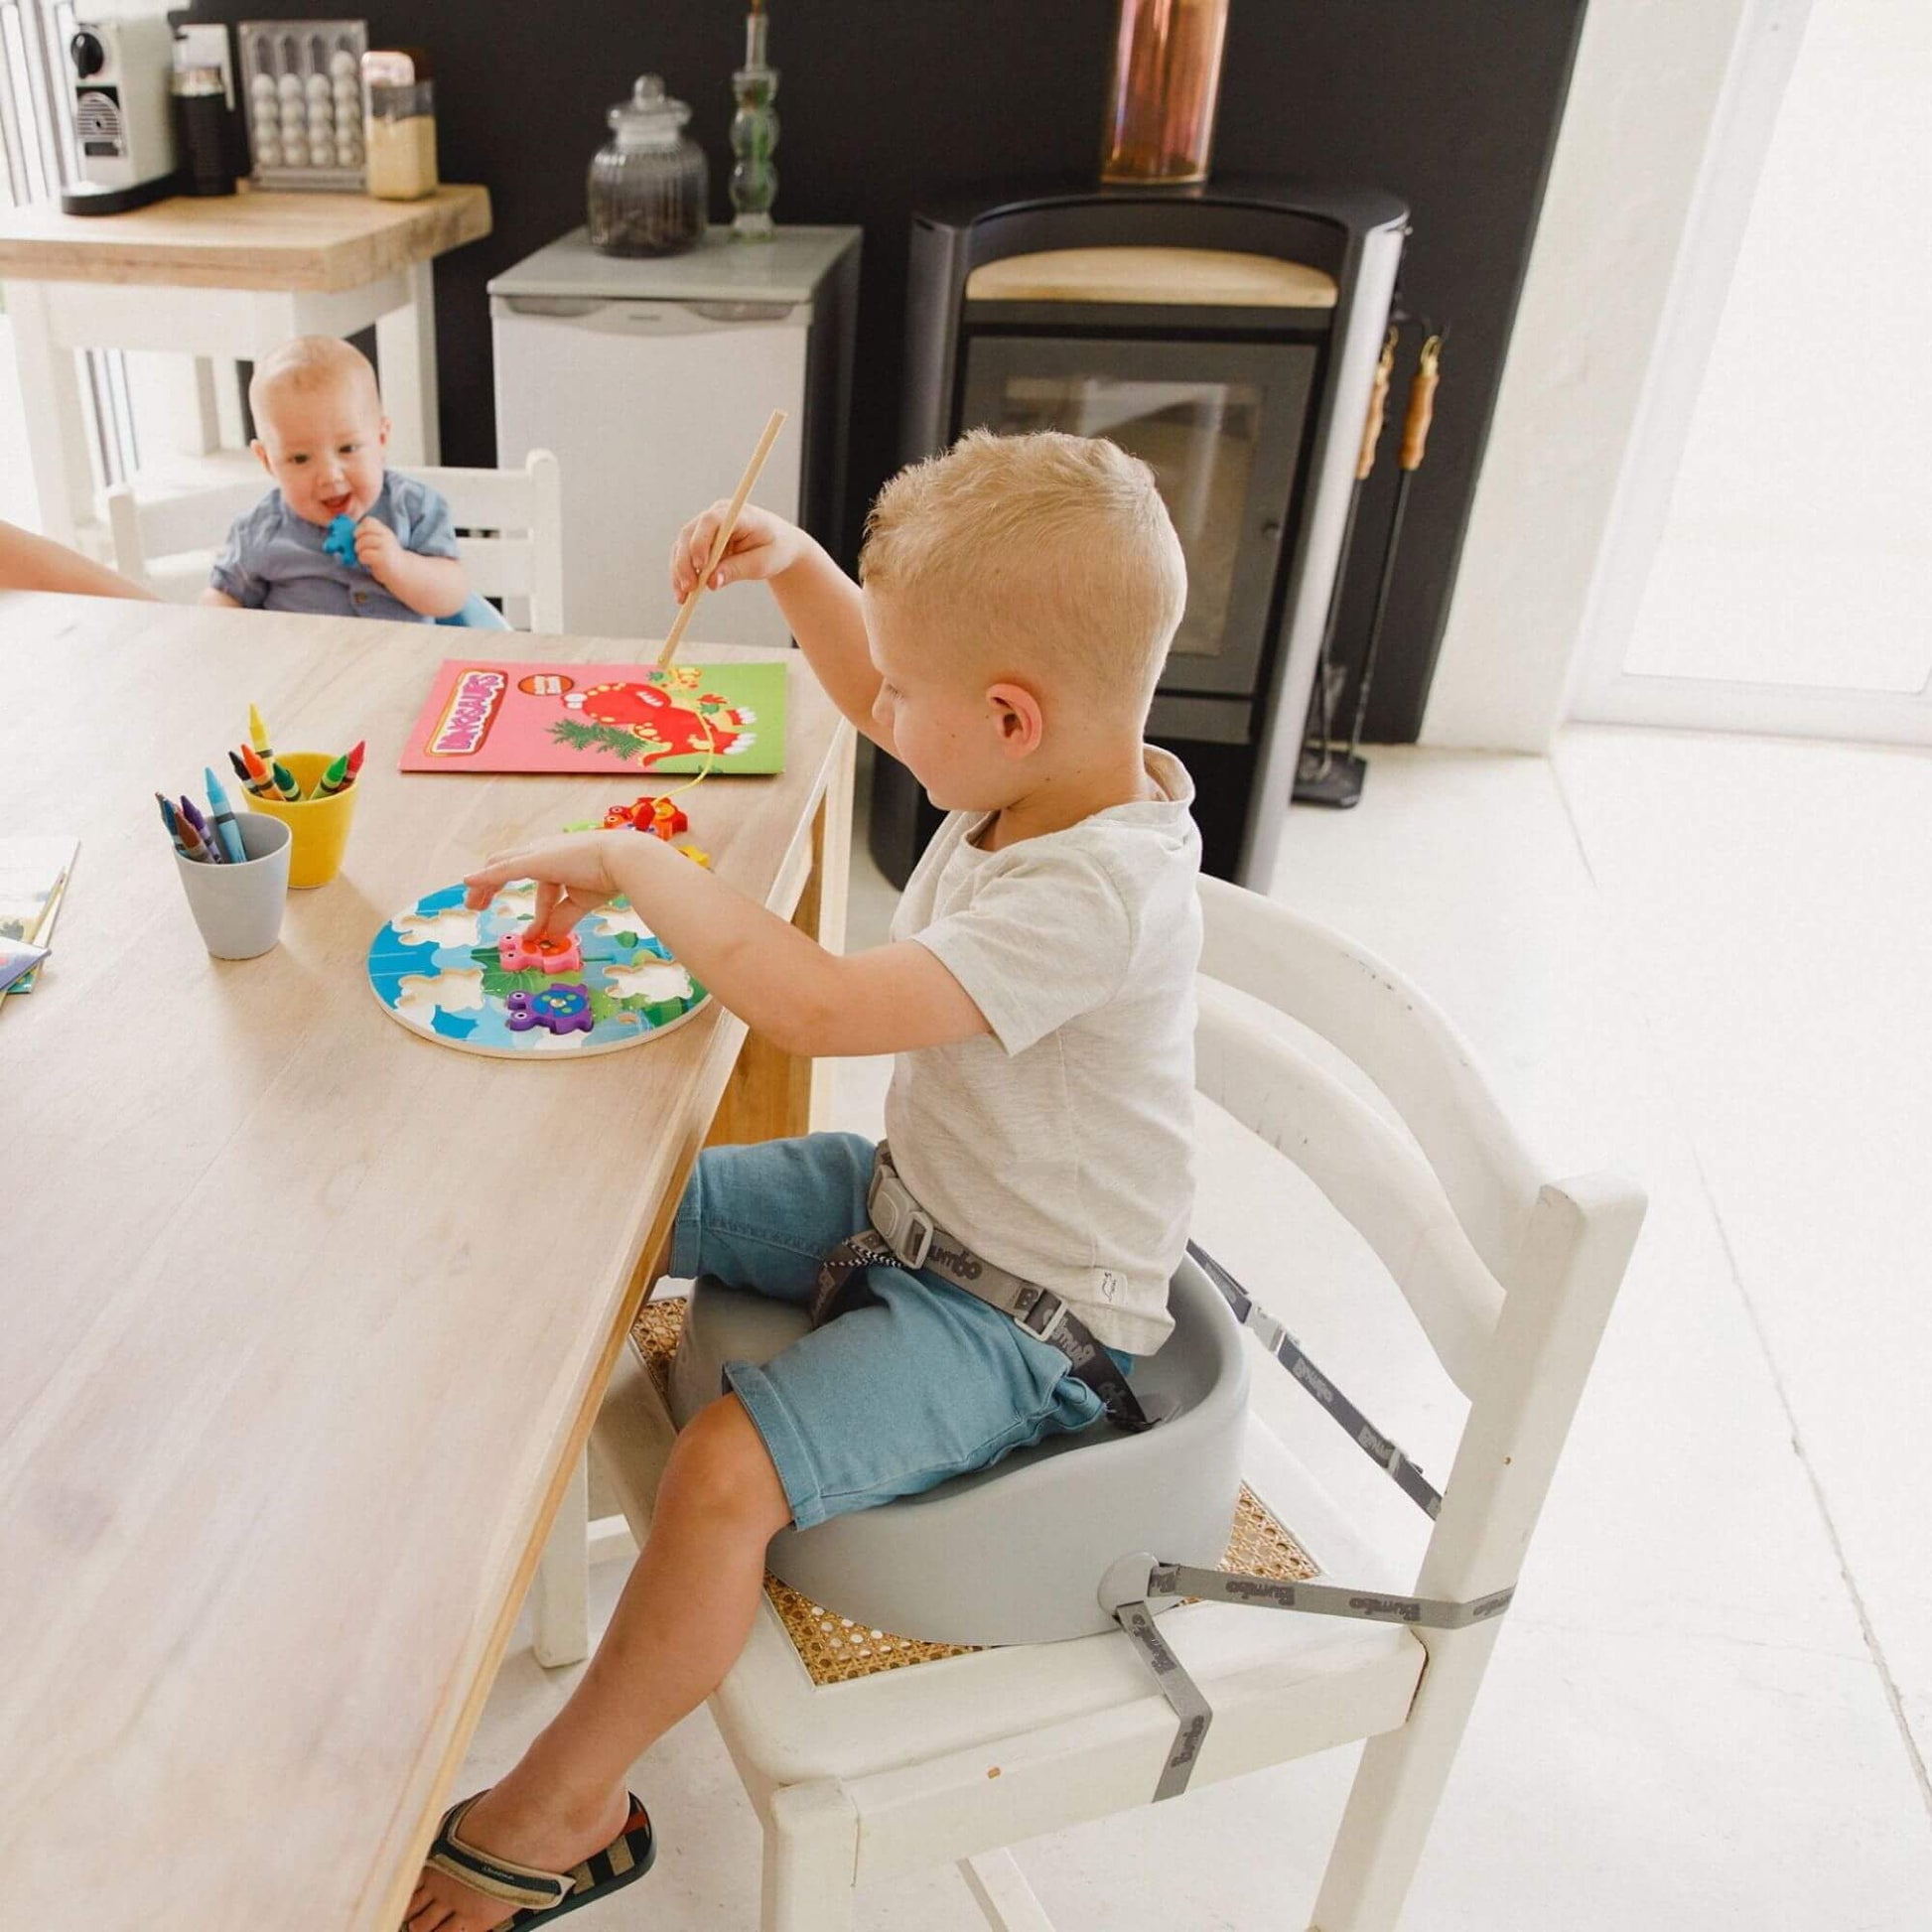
[(778, 980), (823, 607), (33, 563)]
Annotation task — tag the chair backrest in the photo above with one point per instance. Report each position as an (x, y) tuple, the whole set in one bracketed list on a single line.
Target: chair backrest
[(508, 522), (167, 526), (510, 532), (1510, 1272)]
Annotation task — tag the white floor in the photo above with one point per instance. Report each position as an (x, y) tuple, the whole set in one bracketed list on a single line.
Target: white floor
[(1703, 961)]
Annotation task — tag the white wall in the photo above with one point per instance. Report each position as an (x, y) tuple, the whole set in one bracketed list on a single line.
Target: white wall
[(1647, 85), (1771, 562)]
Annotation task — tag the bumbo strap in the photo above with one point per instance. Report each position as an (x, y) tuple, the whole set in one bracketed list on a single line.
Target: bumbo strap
[(905, 1236), (1378, 1447), (1130, 1584)]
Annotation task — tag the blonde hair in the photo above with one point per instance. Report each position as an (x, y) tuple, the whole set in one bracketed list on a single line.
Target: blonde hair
[(310, 362), (1046, 549)]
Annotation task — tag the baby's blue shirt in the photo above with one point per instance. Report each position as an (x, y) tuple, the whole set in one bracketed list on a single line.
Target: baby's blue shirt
[(274, 560)]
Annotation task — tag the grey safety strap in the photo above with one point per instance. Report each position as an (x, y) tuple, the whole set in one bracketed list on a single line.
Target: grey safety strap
[(1145, 1576), (1193, 1711), (1379, 1449), (904, 1235), (1127, 1590), (1130, 1584)]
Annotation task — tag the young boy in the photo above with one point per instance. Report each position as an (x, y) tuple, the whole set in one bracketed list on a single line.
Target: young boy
[(320, 434), (1018, 599)]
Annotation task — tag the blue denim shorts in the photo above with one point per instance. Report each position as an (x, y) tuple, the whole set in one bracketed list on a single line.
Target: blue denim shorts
[(917, 1383)]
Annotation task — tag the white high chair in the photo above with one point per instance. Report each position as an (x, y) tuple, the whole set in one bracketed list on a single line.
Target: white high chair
[(508, 522), (1510, 1274)]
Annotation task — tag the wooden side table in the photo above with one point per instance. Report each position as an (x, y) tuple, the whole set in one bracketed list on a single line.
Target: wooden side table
[(229, 278)]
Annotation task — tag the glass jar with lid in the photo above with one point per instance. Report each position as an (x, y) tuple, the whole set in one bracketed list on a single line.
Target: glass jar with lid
[(649, 183)]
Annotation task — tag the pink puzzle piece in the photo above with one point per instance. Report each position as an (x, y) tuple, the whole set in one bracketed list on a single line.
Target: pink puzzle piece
[(517, 952)]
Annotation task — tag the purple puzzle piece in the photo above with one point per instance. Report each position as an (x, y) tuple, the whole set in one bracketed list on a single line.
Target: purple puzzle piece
[(562, 1009)]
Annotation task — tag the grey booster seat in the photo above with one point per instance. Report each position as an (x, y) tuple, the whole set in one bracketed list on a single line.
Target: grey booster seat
[(1013, 1553)]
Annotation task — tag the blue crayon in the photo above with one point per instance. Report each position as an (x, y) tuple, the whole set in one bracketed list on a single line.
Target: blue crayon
[(225, 828), (167, 819)]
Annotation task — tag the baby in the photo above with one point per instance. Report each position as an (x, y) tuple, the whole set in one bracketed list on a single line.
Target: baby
[(320, 434), (1020, 594)]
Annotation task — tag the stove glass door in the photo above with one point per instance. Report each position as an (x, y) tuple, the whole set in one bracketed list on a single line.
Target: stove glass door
[(1223, 426)]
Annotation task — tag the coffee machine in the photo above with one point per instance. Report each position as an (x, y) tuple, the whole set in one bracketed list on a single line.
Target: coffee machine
[(121, 67)]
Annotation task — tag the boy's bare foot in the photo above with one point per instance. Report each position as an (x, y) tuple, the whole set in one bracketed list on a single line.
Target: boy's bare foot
[(537, 1829)]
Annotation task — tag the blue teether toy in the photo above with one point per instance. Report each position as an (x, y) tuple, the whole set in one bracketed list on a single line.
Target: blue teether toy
[(341, 540)]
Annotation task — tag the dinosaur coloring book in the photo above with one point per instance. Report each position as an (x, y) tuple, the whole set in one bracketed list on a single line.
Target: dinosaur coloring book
[(603, 720)]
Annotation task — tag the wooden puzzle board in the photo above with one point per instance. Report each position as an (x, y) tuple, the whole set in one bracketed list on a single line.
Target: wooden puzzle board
[(434, 968)]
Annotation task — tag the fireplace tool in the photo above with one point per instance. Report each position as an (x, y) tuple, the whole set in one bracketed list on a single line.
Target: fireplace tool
[(1319, 777), (1350, 768)]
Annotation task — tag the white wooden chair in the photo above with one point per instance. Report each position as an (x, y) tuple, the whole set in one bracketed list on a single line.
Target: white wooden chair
[(509, 532), (1510, 1274)]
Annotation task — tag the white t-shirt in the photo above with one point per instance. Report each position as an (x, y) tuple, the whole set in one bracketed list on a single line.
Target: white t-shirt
[(1060, 1146)]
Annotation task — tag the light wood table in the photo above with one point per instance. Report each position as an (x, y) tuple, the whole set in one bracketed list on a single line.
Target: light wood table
[(303, 1320), (227, 278)]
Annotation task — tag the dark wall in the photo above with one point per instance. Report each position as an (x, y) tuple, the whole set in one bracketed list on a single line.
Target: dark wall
[(1453, 105)]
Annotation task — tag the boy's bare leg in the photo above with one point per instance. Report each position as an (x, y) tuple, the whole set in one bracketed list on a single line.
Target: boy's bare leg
[(684, 1616)]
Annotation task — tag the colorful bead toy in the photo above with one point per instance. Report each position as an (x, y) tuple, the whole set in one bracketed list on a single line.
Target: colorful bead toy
[(649, 815)]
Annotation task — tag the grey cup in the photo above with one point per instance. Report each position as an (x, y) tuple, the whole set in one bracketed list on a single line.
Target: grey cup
[(239, 906)]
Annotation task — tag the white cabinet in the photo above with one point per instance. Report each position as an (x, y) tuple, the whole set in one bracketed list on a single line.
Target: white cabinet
[(652, 381)]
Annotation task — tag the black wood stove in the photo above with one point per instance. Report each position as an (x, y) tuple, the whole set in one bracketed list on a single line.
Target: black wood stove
[(1227, 333)]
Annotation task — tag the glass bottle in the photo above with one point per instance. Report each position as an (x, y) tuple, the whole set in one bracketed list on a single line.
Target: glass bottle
[(648, 184), (399, 140), (1167, 77), (754, 133)]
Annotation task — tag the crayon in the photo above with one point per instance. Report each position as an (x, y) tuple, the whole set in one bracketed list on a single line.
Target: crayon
[(258, 736), (334, 780), (192, 844), (239, 759), (191, 815), (259, 776), (285, 785), (167, 819), (356, 760), (225, 829)]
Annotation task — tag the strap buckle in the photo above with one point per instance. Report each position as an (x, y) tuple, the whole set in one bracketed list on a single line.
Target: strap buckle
[(1037, 1310), (905, 1225)]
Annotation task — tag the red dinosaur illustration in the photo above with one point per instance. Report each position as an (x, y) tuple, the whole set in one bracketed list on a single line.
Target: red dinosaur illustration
[(668, 725)]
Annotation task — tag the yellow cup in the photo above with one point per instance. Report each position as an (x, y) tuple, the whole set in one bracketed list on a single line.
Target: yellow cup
[(318, 827)]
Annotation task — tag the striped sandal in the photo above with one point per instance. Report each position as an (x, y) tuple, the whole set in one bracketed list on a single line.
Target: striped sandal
[(544, 1896)]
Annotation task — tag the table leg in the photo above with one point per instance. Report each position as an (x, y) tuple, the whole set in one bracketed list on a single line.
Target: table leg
[(559, 1611), (405, 349), (774, 1095), (57, 426)]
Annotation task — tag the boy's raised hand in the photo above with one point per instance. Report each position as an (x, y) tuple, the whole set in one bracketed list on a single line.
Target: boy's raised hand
[(761, 546), (572, 874)]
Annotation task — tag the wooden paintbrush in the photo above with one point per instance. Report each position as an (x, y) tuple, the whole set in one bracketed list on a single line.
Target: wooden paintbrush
[(722, 541)]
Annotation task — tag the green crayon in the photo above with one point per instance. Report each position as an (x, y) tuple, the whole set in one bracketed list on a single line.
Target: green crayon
[(334, 780), (285, 785)]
